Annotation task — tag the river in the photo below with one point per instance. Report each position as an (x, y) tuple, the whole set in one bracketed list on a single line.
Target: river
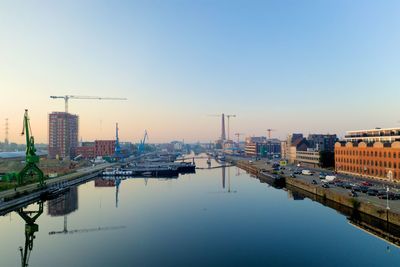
[(216, 217)]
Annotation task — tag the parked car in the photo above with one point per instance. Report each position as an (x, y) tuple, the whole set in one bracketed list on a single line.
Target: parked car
[(357, 188), (306, 172), (347, 185), (365, 183), (381, 192), (292, 175), (364, 188), (322, 175), (339, 184), (372, 192), (325, 186), (314, 182)]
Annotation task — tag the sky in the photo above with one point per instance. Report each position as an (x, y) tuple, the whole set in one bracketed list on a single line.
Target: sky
[(291, 65)]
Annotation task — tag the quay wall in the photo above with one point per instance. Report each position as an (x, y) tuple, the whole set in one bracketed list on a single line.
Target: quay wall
[(321, 195)]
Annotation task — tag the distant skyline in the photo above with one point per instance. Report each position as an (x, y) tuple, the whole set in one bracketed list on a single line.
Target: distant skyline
[(291, 65)]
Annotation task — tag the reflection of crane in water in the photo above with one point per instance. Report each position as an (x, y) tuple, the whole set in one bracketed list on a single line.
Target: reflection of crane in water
[(223, 177), (31, 228), (85, 230), (117, 183), (223, 169), (229, 182)]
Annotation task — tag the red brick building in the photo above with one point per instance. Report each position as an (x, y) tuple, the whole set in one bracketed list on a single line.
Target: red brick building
[(87, 152), (373, 160), (104, 148)]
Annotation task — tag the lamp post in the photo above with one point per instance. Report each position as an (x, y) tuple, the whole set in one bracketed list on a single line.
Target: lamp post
[(390, 177)]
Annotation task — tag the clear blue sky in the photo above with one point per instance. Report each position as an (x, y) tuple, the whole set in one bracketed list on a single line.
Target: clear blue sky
[(304, 66)]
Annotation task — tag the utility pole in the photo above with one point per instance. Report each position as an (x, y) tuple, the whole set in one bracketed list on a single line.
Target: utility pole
[(6, 133)]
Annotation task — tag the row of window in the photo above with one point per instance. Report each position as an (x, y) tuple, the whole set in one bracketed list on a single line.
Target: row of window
[(368, 153), (372, 172), (376, 163), (308, 158)]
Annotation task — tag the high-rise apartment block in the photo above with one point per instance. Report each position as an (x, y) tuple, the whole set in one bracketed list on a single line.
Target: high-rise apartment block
[(63, 134)]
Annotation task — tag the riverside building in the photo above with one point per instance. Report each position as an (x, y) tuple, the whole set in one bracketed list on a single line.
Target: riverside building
[(370, 153)]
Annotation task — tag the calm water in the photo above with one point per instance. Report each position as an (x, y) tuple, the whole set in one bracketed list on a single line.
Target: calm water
[(191, 221)]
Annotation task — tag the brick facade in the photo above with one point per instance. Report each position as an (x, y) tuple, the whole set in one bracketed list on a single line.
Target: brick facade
[(374, 160)]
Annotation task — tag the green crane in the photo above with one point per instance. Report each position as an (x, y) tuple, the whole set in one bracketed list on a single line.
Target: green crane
[(31, 170)]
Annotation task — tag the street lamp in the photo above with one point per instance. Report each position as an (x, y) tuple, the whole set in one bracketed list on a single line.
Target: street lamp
[(390, 177)]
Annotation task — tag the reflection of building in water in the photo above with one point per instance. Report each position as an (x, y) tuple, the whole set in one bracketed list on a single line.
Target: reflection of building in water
[(388, 232), (294, 195), (64, 204), (100, 182)]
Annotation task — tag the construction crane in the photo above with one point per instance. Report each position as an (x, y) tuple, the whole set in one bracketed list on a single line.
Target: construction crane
[(67, 97), (229, 116), (238, 138), (142, 143), (223, 124), (269, 132)]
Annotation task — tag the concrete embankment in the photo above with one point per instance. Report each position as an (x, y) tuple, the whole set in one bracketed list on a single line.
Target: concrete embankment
[(323, 194), (12, 198)]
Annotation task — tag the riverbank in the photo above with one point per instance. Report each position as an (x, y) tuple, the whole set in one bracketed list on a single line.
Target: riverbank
[(9, 199), (323, 194)]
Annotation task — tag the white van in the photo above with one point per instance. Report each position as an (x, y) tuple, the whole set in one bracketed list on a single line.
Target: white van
[(306, 172), (330, 178)]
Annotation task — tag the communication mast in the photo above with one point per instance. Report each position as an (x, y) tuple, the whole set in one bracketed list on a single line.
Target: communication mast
[(6, 133)]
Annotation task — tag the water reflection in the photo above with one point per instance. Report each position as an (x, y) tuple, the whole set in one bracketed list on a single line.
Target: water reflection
[(251, 226), (64, 204), (369, 224), (223, 176), (30, 217)]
